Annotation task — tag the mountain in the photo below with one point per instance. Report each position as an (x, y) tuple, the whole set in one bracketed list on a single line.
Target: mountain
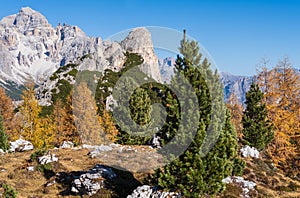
[(237, 85), (166, 68), (30, 48)]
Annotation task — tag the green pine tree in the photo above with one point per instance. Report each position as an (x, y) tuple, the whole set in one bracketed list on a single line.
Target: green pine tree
[(140, 106), (257, 129), (4, 145), (212, 155)]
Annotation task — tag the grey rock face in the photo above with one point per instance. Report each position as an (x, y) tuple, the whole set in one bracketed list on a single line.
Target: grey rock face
[(139, 41), (238, 85), (30, 48), (166, 68)]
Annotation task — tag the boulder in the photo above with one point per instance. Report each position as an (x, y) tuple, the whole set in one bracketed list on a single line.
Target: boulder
[(46, 159), (146, 191), (248, 151), (244, 184), (67, 144), (20, 145), (92, 181)]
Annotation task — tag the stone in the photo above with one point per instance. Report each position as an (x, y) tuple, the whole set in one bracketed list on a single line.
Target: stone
[(20, 145), (46, 159), (248, 151), (244, 184), (30, 168), (67, 144), (146, 191), (92, 181)]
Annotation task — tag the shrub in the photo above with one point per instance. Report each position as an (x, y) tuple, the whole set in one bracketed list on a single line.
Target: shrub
[(9, 191)]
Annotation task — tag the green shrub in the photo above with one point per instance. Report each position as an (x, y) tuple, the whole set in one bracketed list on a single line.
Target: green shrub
[(9, 191), (37, 154)]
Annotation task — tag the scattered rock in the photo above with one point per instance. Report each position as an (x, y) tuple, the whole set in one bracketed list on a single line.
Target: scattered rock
[(67, 144), (46, 159), (92, 180), (96, 150), (248, 151), (20, 145), (146, 191), (30, 168), (1, 151), (244, 184)]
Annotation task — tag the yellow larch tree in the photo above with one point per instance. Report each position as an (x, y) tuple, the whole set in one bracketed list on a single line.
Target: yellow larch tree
[(282, 90), (65, 122), (86, 118), (39, 131), (108, 126), (236, 110)]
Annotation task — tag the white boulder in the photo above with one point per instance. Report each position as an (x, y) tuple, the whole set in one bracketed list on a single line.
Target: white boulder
[(146, 191), (248, 151), (67, 144), (46, 159), (92, 181), (20, 145), (244, 184)]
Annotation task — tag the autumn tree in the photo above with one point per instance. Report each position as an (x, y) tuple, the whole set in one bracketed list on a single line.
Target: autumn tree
[(283, 104), (236, 110), (108, 125), (10, 120), (4, 145), (86, 119), (257, 128), (39, 131), (65, 122)]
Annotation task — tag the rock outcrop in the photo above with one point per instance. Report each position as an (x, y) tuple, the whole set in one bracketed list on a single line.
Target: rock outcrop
[(92, 181)]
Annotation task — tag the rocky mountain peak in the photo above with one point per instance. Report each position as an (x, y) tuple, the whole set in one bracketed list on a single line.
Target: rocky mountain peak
[(28, 19), (139, 41)]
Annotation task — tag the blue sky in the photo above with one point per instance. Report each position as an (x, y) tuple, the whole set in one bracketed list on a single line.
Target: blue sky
[(237, 34)]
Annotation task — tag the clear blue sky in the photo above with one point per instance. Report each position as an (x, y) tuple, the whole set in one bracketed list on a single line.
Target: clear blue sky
[(237, 34)]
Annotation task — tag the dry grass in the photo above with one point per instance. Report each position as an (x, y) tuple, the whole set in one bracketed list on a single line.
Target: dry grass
[(13, 171), (270, 182)]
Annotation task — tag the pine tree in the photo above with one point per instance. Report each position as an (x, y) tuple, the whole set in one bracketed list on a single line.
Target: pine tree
[(201, 168), (140, 106), (4, 145), (257, 128)]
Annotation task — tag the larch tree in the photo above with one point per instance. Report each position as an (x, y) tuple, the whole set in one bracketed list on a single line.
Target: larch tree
[(40, 131), (4, 145), (257, 128), (86, 118), (236, 110), (10, 120), (283, 104), (65, 122), (108, 125)]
